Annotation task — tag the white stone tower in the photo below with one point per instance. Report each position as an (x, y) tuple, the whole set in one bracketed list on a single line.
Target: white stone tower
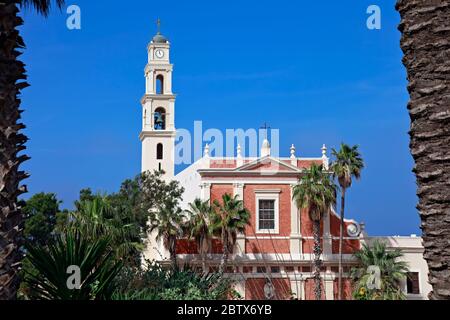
[(158, 109)]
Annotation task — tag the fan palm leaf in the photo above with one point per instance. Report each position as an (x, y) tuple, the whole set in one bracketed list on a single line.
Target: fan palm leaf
[(95, 260)]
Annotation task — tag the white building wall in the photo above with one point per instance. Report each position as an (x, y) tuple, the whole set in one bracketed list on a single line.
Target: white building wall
[(412, 249), (190, 180)]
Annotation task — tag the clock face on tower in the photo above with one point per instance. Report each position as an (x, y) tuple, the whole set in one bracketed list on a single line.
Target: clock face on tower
[(159, 53)]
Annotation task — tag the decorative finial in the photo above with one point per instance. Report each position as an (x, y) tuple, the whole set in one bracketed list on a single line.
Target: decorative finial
[(265, 148), (292, 151), (158, 25), (325, 160), (324, 150), (206, 151)]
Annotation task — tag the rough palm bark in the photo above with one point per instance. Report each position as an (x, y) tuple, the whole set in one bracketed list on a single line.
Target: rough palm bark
[(12, 81), (225, 252), (425, 41), (317, 261)]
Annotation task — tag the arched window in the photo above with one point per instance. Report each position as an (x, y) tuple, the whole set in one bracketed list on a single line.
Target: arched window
[(159, 84), (160, 119), (159, 151)]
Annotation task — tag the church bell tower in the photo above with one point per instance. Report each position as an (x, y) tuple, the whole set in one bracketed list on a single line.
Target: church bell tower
[(158, 109)]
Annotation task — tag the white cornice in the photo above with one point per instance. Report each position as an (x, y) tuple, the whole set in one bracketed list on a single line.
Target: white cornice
[(152, 96), (230, 173), (153, 65), (157, 133)]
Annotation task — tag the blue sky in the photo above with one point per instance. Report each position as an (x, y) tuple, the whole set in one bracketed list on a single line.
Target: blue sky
[(311, 69)]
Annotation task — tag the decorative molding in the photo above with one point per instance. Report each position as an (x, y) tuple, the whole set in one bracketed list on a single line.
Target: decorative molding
[(267, 190)]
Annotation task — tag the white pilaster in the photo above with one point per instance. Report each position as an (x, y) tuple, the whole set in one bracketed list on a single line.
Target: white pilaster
[(295, 236), (329, 288), (205, 192), (327, 239)]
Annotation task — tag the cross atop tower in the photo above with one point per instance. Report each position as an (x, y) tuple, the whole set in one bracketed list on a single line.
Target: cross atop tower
[(265, 127), (158, 25)]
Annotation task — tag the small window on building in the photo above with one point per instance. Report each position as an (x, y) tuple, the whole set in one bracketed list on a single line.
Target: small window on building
[(261, 269), (159, 166), (159, 151), (246, 269), (266, 214), (289, 269), (306, 269), (275, 269), (412, 283)]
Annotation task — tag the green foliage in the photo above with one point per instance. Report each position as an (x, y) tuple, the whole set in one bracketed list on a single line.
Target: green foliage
[(40, 6), (392, 271), (40, 212), (168, 222), (348, 163), (43, 216), (161, 200), (154, 192), (229, 218), (93, 257), (199, 227), (158, 283), (97, 219), (315, 191), (124, 216), (117, 221)]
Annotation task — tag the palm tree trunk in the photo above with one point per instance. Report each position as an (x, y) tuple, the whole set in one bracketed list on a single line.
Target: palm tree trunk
[(224, 259), (341, 240), (317, 261), (204, 250), (425, 28), (173, 252), (11, 143)]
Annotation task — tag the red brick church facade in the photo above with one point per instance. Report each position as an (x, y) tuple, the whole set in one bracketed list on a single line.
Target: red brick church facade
[(277, 246)]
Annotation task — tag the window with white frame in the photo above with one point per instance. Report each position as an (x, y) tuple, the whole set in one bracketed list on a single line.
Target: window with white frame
[(267, 213)]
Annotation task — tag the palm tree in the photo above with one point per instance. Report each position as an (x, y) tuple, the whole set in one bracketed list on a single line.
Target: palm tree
[(230, 217), (425, 32), (392, 272), (98, 268), (168, 222), (199, 227), (348, 164), (96, 218), (12, 140), (316, 192)]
